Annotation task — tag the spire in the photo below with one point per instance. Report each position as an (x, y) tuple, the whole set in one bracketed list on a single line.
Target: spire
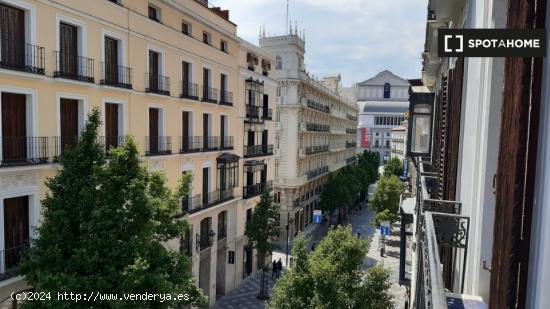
[(264, 31), (296, 27)]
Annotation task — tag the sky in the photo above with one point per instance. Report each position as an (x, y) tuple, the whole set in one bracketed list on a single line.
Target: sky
[(357, 38)]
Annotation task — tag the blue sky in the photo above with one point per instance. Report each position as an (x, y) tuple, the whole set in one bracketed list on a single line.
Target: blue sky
[(357, 38)]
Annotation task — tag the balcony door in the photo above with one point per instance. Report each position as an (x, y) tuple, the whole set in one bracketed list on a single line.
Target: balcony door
[(12, 35), (16, 229), (68, 47), (264, 141), (205, 185), (206, 84), (68, 122), (111, 125), (223, 88), (185, 130), (186, 78), (263, 175), (251, 138), (14, 127), (206, 131), (153, 130), (154, 70), (111, 60), (223, 131)]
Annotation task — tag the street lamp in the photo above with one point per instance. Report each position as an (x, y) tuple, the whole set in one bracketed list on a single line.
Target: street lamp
[(421, 107), (289, 221)]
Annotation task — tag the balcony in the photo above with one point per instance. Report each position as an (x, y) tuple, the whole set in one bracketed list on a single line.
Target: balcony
[(351, 117), (9, 261), (157, 84), (20, 56), (226, 98), (191, 204), (211, 143), (441, 242), (226, 142), (189, 91), (317, 149), (351, 131), (317, 172), (256, 189), (158, 145), (17, 151), (68, 65), (116, 76), (257, 151), (209, 95), (318, 106), (217, 197), (190, 144), (316, 127), (108, 142), (267, 113), (351, 144)]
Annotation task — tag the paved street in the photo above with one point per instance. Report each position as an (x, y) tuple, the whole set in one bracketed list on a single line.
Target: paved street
[(244, 297)]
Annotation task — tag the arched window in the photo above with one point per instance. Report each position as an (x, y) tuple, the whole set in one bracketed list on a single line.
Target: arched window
[(279, 63), (387, 89)]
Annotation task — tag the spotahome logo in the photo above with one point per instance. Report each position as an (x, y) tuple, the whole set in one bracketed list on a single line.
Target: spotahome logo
[(491, 42)]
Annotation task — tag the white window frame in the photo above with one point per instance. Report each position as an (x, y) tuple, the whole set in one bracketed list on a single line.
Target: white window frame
[(122, 43), (162, 58), (122, 115), (30, 18), (82, 33), (82, 109)]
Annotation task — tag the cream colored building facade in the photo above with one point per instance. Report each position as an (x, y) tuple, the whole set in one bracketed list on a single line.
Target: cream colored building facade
[(398, 144), (171, 73), (316, 129)]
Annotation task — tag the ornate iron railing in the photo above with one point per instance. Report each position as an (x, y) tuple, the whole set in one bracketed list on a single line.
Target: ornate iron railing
[(209, 95), (158, 145), (21, 56), (157, 84), (257, 151), (116, 75), (69, 65), (189, 91), (256, 189), (25, 150)]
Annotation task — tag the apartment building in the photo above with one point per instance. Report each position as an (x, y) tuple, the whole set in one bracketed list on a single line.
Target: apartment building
[(169, 72), (316, 129), (398, 144), (479, 231)]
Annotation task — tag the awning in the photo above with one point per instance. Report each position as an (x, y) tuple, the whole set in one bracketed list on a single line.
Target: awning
[(228, 158)]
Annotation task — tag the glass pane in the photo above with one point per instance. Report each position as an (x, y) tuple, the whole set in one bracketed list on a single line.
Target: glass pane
[(422, 108), (420, 142)]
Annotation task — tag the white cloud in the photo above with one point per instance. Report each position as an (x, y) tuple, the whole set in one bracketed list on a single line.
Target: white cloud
[(355, 37)]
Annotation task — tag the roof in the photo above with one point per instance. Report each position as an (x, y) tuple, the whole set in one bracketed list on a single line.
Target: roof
[(380, 107), (386, 74), (227, 158)]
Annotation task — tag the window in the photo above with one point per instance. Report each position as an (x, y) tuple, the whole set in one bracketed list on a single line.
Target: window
[(279, 63), (206, 38), (153, 13), (387, 89), (223, 46), (222, 225), (186, 28)]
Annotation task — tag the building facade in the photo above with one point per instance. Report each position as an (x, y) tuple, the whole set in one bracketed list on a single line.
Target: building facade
[(398, 145), (482, 204), (316, 129), (174, 75), (383, 102)]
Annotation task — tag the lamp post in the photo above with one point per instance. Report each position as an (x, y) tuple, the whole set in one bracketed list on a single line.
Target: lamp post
[(288, 222)]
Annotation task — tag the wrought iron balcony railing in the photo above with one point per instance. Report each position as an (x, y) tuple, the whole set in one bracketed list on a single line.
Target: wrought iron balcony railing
[(158, 145), (226, 142), (267, 113), (26, 150), (351, 144), (189, 91), (351, 131), (226, 98), (256, 189), (317, 172), (351, 117), (190, 144), (209, 95), (217, 197), (317, 149), (318, 106), (108, 142), (191, 204), (157, 84), (317, 127), (257, 151), (71, 66), (10, 259), (211, 143), (20, 56), (116, 75), (252, 112)]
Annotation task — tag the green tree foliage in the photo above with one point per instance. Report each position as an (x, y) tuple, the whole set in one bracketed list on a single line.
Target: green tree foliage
[(263, 226), (387, 195), (103, 224), (332, 276), (393, 167)]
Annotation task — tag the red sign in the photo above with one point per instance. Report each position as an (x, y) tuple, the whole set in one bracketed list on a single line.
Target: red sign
[(365, 137)]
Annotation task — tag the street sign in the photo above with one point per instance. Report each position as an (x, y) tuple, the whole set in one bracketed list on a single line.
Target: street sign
[(231, 257), (317, 216), (385, 228)]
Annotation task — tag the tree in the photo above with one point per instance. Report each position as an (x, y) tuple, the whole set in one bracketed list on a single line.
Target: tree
[(393, 167), (387, 195), (263, 226), (103, 224), (332, 276), (294, 288)]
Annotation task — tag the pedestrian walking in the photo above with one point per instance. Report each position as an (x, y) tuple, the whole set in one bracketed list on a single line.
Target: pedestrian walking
[(279, 268), (274, 268)]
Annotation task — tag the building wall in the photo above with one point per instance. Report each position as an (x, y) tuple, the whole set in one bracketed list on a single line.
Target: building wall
[(128, 23)]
